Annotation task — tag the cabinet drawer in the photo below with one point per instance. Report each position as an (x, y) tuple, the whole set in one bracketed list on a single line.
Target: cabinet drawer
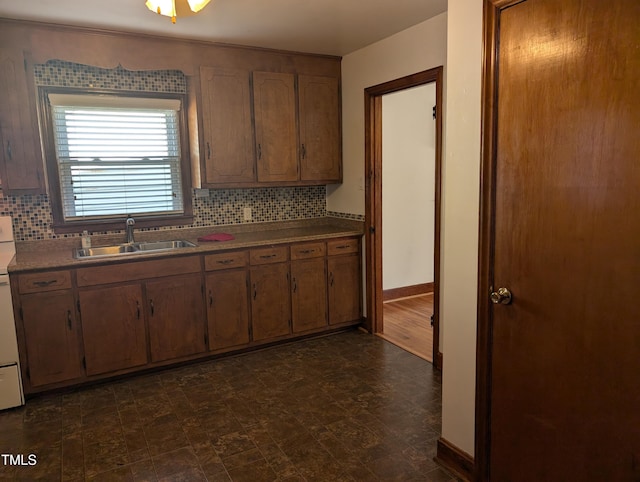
[(269, 255), (117, 273), (343, 246), (233, 259), (46, 281), (308, 250)]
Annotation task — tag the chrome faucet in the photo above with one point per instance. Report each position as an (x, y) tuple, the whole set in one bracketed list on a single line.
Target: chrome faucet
[(130, 222)]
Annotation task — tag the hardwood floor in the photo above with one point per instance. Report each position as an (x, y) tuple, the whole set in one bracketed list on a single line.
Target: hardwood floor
[(407, 324)]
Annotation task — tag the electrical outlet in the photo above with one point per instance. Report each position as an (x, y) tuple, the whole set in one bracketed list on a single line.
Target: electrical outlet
[(247, 214)]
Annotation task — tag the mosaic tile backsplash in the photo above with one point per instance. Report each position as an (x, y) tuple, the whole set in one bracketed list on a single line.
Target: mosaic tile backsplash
[(32, 213)]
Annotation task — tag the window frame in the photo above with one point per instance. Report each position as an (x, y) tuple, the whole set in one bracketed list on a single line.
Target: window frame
[(62, 226)]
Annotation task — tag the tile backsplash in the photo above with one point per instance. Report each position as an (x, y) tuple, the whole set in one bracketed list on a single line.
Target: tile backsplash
[(32, 213)]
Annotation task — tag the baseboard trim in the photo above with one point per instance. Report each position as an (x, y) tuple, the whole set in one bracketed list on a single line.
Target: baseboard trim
[(454, 459), (404, 291)]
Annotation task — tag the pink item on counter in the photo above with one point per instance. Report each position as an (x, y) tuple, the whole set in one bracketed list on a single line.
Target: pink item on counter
[(217, 237)]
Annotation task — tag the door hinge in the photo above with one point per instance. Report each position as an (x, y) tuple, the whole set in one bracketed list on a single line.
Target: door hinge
[(434, 111), (432, 321), (372, 229)]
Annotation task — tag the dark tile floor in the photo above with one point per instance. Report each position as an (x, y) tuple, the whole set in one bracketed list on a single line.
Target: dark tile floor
[(345, 407)]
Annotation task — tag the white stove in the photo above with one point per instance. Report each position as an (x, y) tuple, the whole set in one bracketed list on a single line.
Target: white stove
[(10, 381)]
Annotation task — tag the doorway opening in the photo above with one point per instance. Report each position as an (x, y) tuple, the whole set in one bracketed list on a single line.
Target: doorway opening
[(412, 271)]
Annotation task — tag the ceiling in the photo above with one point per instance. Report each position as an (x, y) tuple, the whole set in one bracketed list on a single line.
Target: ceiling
[(334, 27)]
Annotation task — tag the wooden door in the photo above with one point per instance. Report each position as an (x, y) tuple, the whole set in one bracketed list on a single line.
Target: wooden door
[(113, 328), (320, 135), (228, 134), (274, 100), (270, 301), (560, 397), (176, 317), (344, 288), (308, 294), (21, 166), (51, 337), (227, 308)]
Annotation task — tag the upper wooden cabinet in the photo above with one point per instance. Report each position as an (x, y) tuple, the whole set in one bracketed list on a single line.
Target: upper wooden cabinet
[(295, 136), (274, 100), (319, 120), (228, 155), (21, 166)]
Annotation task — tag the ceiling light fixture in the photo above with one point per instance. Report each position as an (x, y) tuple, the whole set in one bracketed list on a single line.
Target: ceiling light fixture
[(176, 8)]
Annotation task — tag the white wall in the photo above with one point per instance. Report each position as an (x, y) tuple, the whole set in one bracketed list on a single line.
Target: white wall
[(408, 186), (418, 48), (454, 40), (461, 191)]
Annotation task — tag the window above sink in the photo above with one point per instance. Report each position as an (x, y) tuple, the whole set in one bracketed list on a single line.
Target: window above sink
[(110, 154)]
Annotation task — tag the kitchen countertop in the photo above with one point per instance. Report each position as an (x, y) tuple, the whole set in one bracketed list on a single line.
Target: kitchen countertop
[(51, 254)]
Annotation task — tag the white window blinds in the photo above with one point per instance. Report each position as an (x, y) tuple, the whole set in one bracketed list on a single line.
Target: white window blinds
[(117, 155)]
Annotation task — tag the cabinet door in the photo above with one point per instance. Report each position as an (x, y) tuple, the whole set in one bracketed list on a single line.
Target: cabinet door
[(320, 139), (276, 132), (113, 328), (228, 136), (21, 166), (51, 337), (176, 317), (270, 301), (308, 294), (344, 288), (227, 308)]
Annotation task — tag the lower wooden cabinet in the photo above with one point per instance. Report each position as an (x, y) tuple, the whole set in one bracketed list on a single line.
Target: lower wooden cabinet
[(227, 308), (270, 301), (113, 328), (176, 317), (122, 317), (308, 294), (344, 288), (51, 337)]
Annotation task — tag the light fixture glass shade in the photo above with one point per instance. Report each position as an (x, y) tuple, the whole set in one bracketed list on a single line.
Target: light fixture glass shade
[(176, 8), (197, 5)]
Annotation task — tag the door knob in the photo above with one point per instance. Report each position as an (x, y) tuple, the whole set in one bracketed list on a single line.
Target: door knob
[(502, 296)]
